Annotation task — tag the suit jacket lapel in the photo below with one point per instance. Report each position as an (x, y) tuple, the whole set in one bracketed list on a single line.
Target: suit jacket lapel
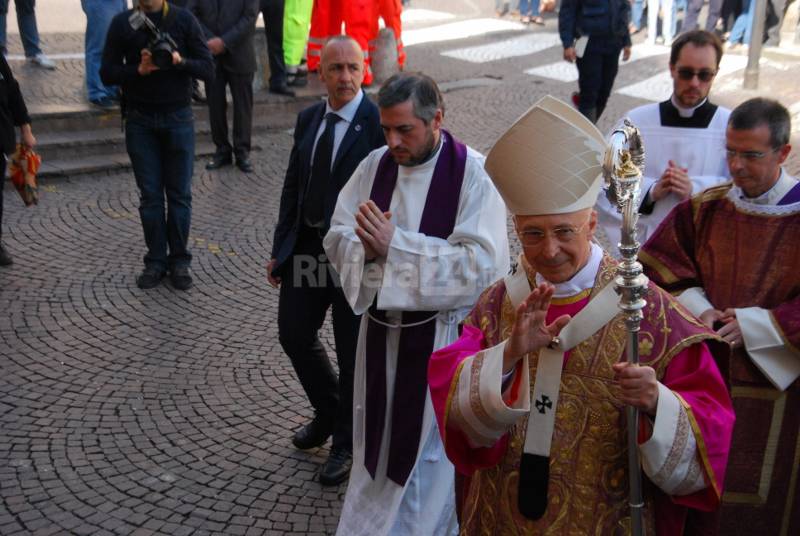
[(353, 132)]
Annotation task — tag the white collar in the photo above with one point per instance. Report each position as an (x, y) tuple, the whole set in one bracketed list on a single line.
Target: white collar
[(584, 279), (348, 111), (772, 196), (683, 111)]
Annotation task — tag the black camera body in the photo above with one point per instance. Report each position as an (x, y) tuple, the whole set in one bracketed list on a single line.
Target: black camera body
[(161, 45)]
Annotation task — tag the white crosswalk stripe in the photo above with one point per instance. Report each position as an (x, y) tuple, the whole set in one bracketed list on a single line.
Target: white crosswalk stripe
[(458, 30), (416, 15), (566, 72), (508, 48)]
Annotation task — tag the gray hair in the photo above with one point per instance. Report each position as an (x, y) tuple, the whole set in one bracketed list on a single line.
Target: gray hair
[(758, 112), (420, 88)]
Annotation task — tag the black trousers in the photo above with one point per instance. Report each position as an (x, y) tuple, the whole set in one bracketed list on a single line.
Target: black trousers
[(307, 292), (272, 11), (242, 92), (597, 70), (2, 181)]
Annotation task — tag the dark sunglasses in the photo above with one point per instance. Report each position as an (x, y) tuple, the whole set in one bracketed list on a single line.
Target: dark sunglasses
[(704, 75)]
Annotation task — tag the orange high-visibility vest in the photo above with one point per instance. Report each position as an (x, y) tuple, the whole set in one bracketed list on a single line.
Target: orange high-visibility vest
[(326, 21)]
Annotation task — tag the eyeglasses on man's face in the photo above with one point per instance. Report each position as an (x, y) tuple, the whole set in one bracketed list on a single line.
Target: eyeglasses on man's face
[(750, 156), (704, 75), (563, 234)]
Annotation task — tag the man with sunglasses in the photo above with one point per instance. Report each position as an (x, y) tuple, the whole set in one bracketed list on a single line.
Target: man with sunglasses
[(732, 253), (531, 399), (683, 137)]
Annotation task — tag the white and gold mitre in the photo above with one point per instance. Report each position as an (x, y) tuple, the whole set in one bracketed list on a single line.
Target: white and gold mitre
[(549, 161)]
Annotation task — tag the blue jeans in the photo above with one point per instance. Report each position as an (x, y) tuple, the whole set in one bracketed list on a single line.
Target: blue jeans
[(161, 148), (743, 27), (529, 8), (637, 9), (26, 20), (98, 17)]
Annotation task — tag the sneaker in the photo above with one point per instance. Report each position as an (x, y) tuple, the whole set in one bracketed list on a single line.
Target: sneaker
[(181, 278), (106, 103), (5, 257), (149, 278), (41, 60)]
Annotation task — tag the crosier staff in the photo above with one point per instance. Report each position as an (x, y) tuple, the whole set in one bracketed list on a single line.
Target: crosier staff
[(622, 164)]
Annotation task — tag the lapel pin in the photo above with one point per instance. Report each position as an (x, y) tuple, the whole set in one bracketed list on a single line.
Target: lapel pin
[(358, 128)]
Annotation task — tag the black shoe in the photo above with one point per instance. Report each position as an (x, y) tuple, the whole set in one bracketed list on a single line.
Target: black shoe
[(5, 257), (282, 90), (149, 278), (181, 278), (297, 81), (219, 160), (313, 434), (244, 164), (336, 468)]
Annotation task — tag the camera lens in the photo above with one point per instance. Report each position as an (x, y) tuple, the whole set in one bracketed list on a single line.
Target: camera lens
[(162, 54)]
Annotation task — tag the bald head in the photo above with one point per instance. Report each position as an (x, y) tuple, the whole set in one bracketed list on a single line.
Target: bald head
[(341, 69)]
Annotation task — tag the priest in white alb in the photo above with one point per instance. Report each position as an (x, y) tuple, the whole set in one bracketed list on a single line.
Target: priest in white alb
[(684, 139), (418, 231), (531, 399)]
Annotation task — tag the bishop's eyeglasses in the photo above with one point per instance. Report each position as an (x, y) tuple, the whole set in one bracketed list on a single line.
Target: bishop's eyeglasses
[(563, 234)]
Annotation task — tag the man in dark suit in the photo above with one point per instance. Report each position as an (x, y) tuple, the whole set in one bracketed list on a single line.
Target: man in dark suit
[(229, 28), (330, 140)]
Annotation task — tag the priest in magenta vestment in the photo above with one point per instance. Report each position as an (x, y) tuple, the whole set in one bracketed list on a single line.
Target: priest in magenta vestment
[(530, 399)]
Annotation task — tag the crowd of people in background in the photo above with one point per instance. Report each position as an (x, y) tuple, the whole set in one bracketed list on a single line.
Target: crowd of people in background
[(662, 19)]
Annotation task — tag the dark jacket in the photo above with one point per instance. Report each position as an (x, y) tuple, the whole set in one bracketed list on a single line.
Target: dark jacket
[(234, 21), (163, 90), (363, 135), (600, 18), (13, 112)]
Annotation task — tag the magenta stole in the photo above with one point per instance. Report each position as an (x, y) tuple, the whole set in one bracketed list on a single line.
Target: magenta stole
[(416, 343)]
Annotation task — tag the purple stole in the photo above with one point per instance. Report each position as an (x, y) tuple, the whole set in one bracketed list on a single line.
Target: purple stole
[(793, 196), (416, 343)]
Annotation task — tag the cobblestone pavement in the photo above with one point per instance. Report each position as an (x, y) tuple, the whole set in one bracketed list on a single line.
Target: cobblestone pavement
[(163, 412)]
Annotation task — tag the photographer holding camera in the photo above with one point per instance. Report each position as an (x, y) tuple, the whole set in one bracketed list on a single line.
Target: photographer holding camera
[(152, 52)]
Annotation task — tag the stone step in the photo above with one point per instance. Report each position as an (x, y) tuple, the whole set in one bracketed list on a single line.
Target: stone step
[(90, 143), (89, 164), (84, 140), (66, 119)]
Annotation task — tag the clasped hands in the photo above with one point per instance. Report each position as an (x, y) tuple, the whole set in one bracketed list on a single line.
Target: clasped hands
[(531, 333), (375, 230), (675, 179), (730, 332)]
